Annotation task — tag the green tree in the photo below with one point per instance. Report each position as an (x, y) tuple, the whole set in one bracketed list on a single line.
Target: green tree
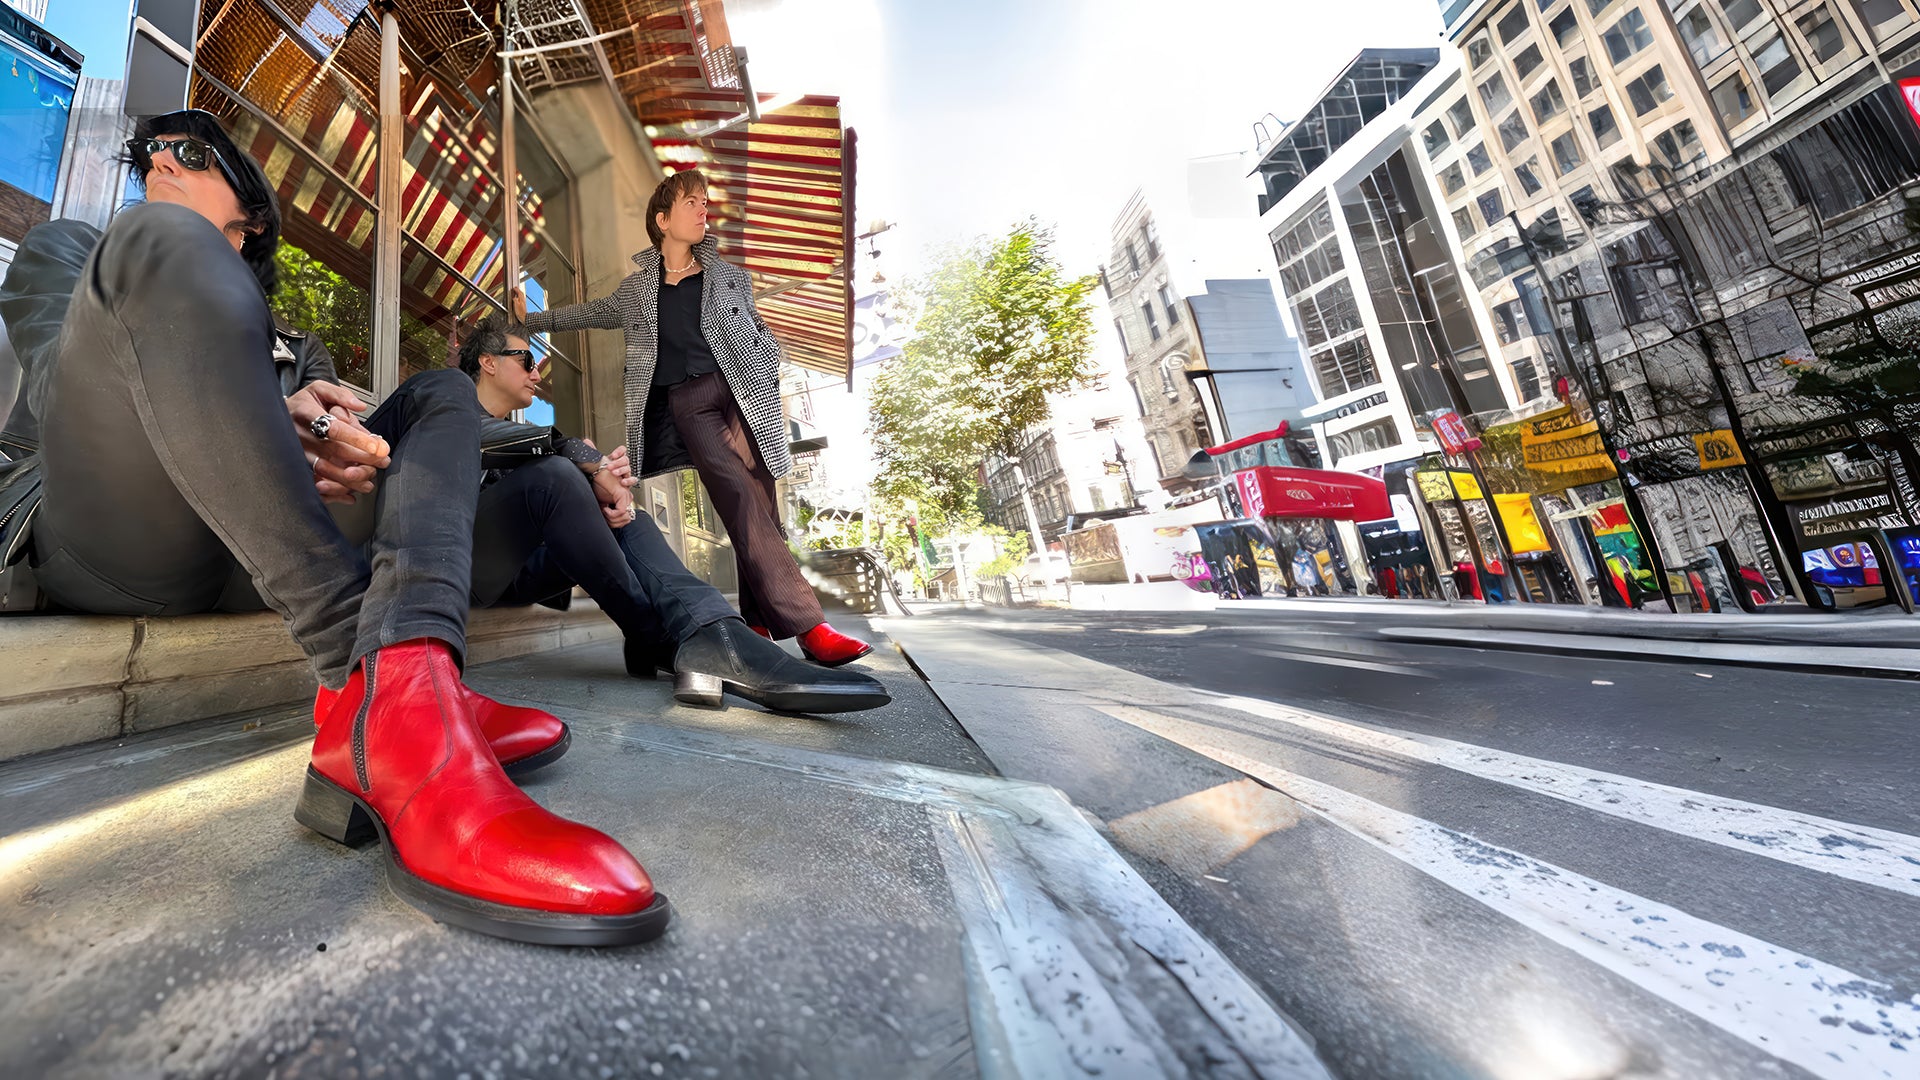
[(1013, 554), (1001, 327)]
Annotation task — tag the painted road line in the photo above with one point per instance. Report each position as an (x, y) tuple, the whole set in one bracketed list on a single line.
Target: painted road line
[(1820, 1017), (1861, 853), (1347, 662)]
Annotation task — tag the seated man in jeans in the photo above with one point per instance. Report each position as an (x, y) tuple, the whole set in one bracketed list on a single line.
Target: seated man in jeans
[(170, 454), (544, 527)]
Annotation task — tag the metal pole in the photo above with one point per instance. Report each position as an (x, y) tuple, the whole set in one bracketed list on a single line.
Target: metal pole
[(509, 166), (386, 245), (1033, 524)]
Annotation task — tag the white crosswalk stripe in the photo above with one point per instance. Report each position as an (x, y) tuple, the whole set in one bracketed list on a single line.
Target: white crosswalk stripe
[(1813, 1014), (1879, 857)]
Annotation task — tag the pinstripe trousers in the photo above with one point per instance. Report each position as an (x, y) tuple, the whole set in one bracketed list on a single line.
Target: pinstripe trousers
[(773, 593)]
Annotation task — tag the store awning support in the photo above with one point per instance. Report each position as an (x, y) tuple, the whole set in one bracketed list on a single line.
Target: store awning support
[(386, 246)]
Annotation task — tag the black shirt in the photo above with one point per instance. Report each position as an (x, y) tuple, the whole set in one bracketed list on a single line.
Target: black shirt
[(684, 352)]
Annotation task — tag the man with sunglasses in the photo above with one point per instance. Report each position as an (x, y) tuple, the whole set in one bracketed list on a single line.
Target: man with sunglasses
[(170, 454), (555, 513)]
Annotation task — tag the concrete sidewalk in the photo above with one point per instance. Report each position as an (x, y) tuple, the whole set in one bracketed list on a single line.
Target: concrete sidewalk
[(858, 896)]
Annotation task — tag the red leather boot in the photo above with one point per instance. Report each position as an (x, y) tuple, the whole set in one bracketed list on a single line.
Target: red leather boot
[(400, 757), (825, 645), (523, 739), (762, 631)]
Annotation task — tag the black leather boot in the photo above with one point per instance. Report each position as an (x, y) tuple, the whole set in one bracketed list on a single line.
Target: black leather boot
[(645, 658), (727, 658)]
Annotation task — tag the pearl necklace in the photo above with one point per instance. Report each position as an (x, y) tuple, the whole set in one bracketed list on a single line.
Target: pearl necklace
[(691, 263)]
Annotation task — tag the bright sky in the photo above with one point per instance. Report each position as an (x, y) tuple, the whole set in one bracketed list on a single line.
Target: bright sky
[(97, 29), (973, 115)]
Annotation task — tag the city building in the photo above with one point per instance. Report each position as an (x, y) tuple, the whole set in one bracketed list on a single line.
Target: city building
[(1088, 460), (1712, 203)]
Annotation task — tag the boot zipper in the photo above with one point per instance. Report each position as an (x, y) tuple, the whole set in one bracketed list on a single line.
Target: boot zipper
[(360, 726)]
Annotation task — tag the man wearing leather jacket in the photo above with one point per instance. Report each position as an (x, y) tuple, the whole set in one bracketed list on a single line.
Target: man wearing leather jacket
[(556, 512), (170, 454)]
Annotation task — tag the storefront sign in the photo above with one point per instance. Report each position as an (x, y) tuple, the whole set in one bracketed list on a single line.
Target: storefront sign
[(1524, 533), (1466, 485), (1561, 444), (1718, 450), (1910, 90), (1452, 432), (1828, 517), (1355, 408)]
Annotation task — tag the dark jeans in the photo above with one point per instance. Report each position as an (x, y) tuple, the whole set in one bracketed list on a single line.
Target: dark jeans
[(169, 458), (539, 532)]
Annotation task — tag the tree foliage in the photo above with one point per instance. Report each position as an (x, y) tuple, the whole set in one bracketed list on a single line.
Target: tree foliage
[(1001, 327)]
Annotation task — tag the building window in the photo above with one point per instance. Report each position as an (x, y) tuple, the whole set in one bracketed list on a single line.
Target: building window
[(1679, 145), (1121, 333), (1778, 68), (1435, 138), (1548, 102), (1139, 403), (1702, 37), (1460, 115), (1564, 27), (1566, 154), (1595, 7), (1822, 34), (1883, 15), (1734, 98), (1527, 62), (1153, 324), (1452, 179), (1345, 367), (1173, 308), (1512, 24), (1463, 221), (1491, 210), (1526, 380), (1513, 130), (1741, 12), (1583, 81), (1528, 173), (1480, 49), (1494, 95), (1605, 131), (1478, 159), (1627, 36), (1650, 90), (1152, 236), (1133, 257)]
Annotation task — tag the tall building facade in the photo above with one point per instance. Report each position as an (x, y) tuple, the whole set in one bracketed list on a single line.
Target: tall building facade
[(1693, 219), (1089, 458), (1156, 333)]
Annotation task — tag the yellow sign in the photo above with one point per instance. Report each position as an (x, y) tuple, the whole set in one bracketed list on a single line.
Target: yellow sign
[(1434, 486), (1565, 447), (1524, 533), (1466, 485), (1718, 450)]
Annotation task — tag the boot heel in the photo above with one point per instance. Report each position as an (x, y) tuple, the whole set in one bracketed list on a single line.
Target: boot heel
[(332, 813), (693, 688)]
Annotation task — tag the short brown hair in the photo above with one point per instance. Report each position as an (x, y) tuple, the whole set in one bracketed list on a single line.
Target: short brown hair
[(671, 190)]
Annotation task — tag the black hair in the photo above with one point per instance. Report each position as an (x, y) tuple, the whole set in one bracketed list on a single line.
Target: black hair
[(487, 338), (242, 173)]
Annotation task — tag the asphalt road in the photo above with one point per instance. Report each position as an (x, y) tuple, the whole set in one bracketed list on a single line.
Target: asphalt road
[(1455, 861)]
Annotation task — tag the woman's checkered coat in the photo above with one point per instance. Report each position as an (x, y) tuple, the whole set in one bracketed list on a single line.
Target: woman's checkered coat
[(749, 358)]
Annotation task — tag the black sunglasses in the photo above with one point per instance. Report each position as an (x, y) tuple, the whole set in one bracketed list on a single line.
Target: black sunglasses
[(525, 356), (192, 154)]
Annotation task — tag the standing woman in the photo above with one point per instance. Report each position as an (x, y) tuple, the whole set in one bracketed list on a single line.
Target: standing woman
[(703, 389)]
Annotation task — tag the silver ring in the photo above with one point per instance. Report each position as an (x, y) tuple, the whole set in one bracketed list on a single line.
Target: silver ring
[(315, 463), (321, 425)]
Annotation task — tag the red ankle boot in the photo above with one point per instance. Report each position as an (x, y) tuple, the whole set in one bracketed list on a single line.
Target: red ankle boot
[(522, 739), (762, 631), (825, 645), (400, 757)]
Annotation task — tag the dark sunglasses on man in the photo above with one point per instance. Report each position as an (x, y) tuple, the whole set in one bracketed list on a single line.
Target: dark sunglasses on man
[(525, 356), (192, 154)]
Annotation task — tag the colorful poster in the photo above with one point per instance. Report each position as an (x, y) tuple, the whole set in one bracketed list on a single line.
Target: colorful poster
[(1718, 450)]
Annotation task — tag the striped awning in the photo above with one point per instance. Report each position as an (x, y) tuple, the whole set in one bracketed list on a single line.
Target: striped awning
[(779, 206)]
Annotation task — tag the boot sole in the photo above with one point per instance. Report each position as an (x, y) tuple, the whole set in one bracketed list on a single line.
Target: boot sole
[(694, 688), (544, 758), (341, 816)]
